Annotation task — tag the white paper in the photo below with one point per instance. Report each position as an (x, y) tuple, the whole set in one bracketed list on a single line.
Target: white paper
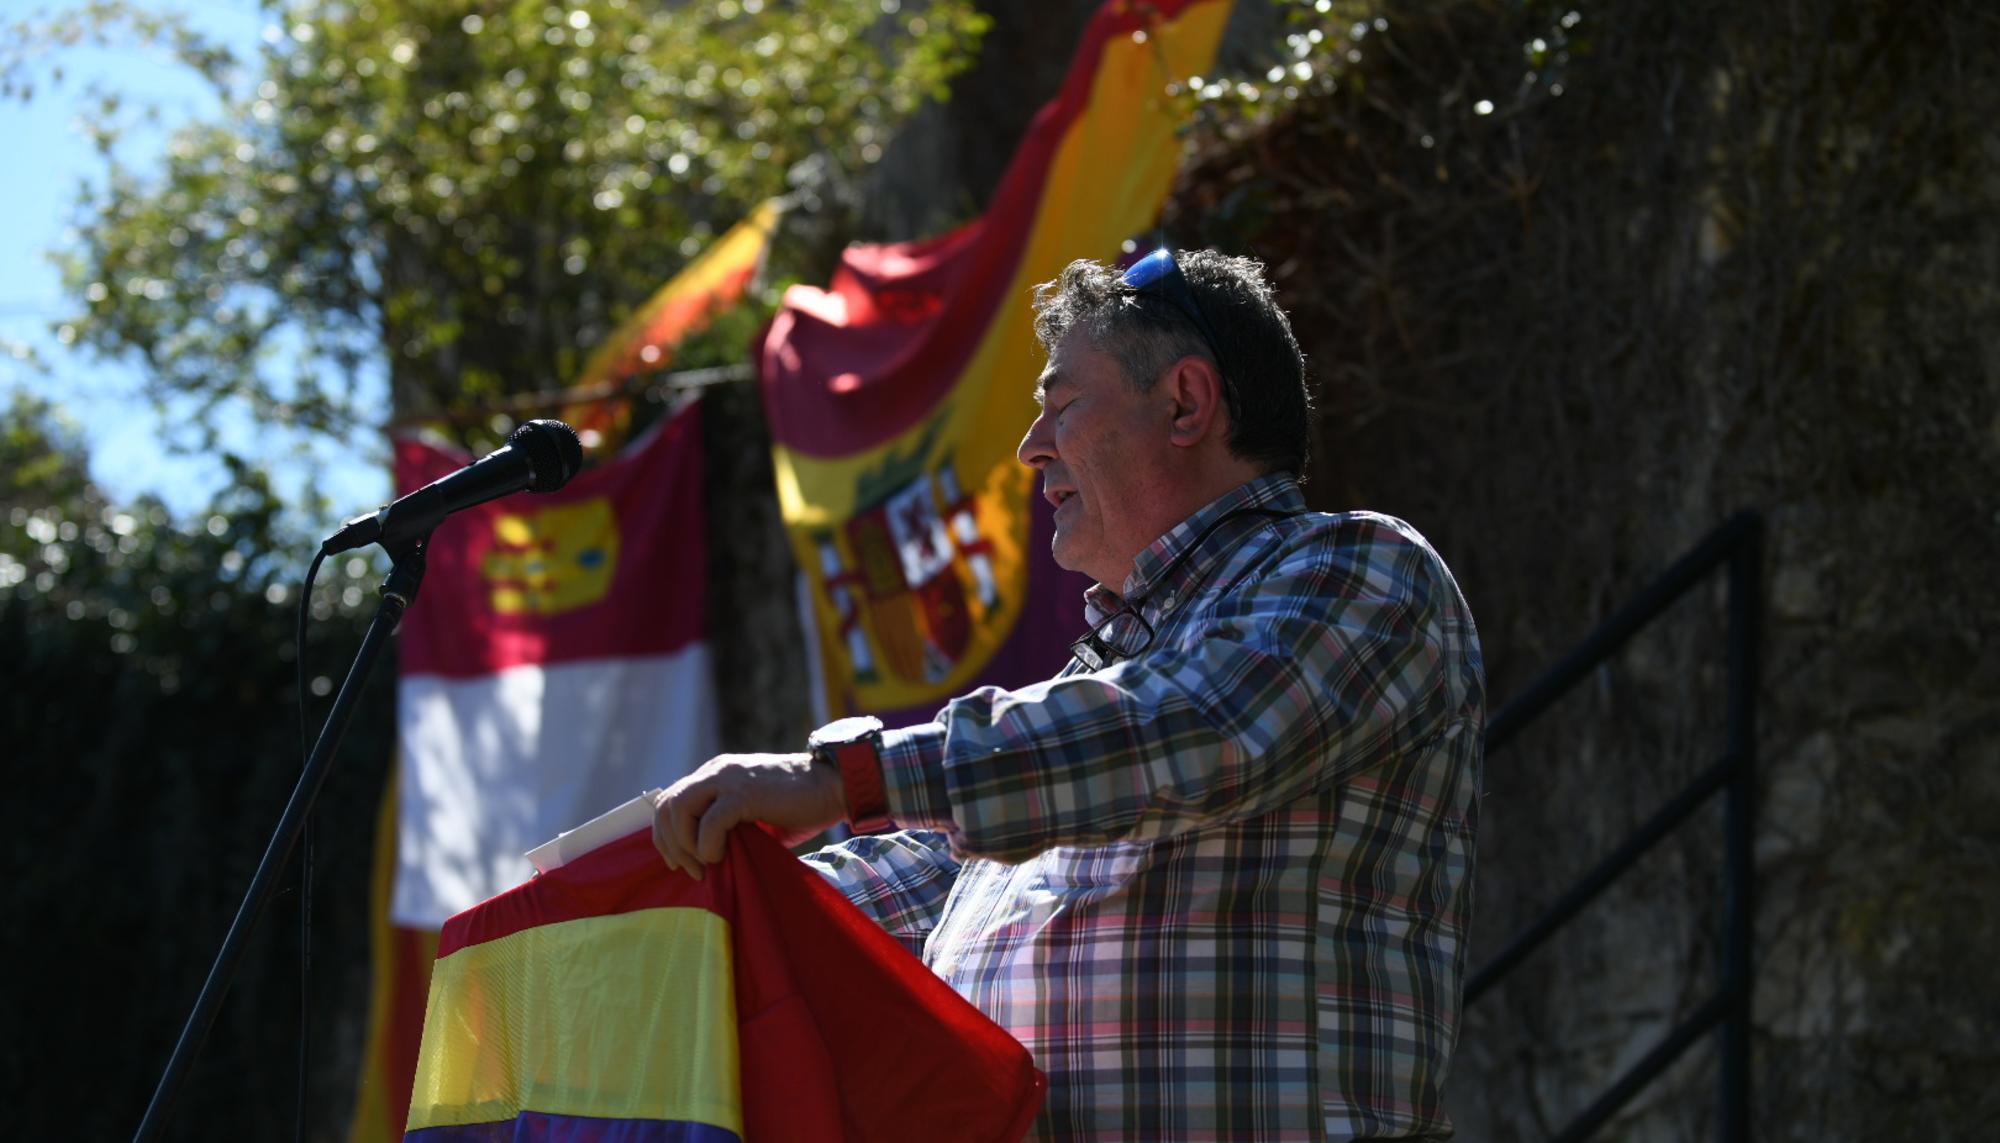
[(599, 831)]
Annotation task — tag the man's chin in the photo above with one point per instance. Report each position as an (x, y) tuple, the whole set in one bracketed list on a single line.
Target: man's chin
[(1063, 552), (1069, 558)]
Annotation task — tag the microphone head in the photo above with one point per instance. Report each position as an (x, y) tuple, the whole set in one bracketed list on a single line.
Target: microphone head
[(554, 454)]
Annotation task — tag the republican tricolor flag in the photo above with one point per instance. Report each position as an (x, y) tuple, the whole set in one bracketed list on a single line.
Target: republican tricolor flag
[(610, 999)]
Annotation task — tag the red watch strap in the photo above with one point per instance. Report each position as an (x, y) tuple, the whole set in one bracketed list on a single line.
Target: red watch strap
[(861, 781)]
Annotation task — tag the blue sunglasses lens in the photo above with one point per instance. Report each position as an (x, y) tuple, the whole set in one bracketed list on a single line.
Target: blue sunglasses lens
[(1159, 266), (1150, 269)]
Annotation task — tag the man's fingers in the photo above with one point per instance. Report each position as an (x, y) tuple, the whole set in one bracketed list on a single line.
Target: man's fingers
[(713, 834), (676, 824), (670, 848), (686, 813), (692, 820), (660, 840)]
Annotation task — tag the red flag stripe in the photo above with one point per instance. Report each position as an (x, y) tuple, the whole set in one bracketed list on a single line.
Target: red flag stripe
[(830, 393), (464, 626)]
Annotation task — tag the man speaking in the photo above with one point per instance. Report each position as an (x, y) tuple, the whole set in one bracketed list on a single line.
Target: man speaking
[(1216, 873)]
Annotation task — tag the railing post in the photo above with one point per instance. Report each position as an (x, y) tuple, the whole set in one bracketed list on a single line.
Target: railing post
[(1740, 819), (1738, 542)]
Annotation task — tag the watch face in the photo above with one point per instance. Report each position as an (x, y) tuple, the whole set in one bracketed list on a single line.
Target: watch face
[(843, 730)]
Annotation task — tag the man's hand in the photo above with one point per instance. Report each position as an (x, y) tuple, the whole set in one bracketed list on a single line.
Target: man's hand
[(692, 818)]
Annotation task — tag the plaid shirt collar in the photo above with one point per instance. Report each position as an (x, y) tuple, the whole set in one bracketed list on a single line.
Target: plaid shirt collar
[(1190, 549)]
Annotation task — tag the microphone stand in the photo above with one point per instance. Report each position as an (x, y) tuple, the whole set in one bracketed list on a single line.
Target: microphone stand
[(399, 591)]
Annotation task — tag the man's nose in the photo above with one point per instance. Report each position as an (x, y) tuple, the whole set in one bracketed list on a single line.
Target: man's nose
[(1038, 447)]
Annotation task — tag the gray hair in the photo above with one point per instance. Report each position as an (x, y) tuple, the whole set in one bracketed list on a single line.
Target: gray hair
[(1264, 385)]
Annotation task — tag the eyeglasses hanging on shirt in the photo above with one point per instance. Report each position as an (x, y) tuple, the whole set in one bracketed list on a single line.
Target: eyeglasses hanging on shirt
[(1125, 634), (1107, 642)]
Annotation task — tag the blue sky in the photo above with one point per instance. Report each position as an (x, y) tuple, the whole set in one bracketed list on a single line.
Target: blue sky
[(48, 159)]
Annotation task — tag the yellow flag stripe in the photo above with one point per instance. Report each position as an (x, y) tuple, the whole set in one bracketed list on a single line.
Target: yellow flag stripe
[(1106, 180), (739, 248), (658, 1042)]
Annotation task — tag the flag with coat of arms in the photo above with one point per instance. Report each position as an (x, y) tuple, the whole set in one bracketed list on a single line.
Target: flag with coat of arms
[(898, 393), (554, 666)]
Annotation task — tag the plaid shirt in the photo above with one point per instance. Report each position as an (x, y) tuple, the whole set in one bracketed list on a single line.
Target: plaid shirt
[(1220, 889)]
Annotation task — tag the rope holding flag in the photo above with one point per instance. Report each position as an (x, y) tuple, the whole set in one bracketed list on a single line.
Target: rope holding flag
[(645, 344)]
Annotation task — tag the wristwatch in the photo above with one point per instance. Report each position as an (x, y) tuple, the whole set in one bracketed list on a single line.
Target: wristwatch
[(853, 747)]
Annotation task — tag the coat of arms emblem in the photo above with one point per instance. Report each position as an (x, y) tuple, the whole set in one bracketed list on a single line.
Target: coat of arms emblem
[(899, 582)]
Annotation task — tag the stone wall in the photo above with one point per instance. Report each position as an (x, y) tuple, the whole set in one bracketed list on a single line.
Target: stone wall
[(1695, 258)]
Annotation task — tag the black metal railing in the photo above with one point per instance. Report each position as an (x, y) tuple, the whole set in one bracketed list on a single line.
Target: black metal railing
[(1736, 545)]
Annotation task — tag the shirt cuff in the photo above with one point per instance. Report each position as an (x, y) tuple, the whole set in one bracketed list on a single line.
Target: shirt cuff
[(913, 777)]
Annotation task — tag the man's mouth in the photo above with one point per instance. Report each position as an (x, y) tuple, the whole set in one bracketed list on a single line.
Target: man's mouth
[(1058, 496)]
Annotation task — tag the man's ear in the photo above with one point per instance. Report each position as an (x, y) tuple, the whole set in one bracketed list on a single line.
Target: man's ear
[(1195, 388)]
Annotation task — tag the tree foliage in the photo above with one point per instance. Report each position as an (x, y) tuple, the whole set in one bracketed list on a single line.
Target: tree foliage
[(471, 196), (148, 691), (460, 198), (30, 44)]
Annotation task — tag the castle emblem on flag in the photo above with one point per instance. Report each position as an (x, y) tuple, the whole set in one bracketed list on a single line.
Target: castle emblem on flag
[(913, 574), (554, 560)]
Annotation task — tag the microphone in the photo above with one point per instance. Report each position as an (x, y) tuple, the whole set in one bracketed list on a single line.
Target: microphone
[(540, 456)]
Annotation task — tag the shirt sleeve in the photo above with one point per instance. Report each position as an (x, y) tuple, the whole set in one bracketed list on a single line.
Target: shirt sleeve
[(1318, 662), (900, 880)]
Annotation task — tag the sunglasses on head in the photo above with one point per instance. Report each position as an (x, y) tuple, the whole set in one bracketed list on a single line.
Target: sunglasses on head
[(1160, 273)]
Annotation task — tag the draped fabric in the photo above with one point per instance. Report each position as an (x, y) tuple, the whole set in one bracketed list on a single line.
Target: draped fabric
[(897, 394), (611, 999), (553, 665)]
